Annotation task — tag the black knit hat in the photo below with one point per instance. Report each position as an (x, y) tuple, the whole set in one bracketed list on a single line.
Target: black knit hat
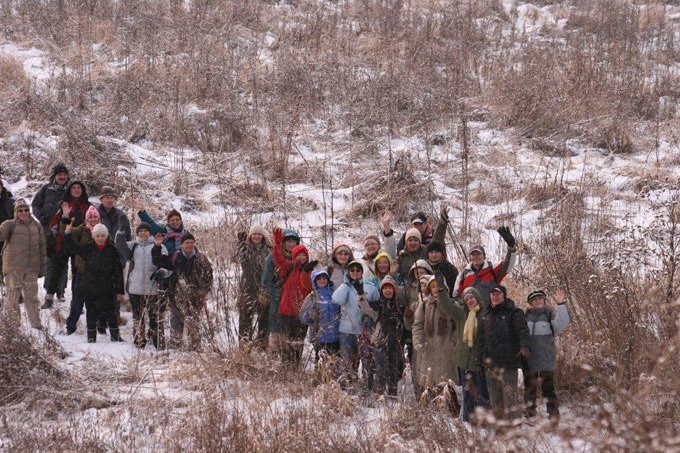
[(143, 226), (436, 246), (59, 168), (187, 237)]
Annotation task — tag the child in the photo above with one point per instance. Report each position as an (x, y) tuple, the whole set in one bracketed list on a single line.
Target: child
[(544, 323), (322, 314)]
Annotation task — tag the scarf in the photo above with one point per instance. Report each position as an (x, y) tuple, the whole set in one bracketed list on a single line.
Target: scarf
[(470, 329)]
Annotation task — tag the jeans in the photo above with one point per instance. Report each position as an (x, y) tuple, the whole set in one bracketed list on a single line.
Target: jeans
[(475, 392)]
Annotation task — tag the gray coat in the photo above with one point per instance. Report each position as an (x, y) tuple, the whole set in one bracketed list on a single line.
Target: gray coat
[(544, 323), (141, 269)]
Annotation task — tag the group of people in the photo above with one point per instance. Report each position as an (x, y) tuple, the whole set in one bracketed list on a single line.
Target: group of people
[(372, 312), (164, 266), (399, 303)]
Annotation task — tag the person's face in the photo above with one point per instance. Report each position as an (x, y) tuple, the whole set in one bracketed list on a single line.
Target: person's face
[(301, 258), (496, 298), (355, 273), (371, 247), (23, 214), (538, 302), (289, 244), (434, 287), (419, 226), (477, 258), (143, 234), (383, 266), (76, 190), (256, 238), (423, 287), (420, 272), (188, 246), (388, 291), (321, 281), (92, 221), (108, 201), (434, 256), (61, 178), (471, 301), (342, 256), (412, 244), (175, 222), (100, 238)]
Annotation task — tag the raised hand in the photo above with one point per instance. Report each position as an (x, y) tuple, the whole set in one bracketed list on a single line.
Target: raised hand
[(158, 239), (560, 296), (137, 204), (507, 236), (65, 209), (385, 220), (278, 236), (444, 211), (309, 267), (242, 236)]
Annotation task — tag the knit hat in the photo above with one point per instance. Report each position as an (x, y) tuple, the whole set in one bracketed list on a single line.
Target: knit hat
[(20, 204), (59, 168), (92, 213), (143, 226), (419, 217), (413, 232), (187, 237), (298, 249), (471, 291), (257, 229), (338, 246), (371, 237), (536, 293), (436, 246), (499, 288), (173, 213), (355, 264), (99, 229), (107, 191), (423, 264), (478, 248), (388, 281), (290, 234)]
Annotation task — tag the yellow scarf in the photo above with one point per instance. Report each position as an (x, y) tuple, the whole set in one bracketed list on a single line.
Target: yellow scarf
[(470, 329)]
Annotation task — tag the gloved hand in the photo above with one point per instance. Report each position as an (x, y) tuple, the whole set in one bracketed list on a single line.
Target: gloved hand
[(507, 236), (525, 352), (309, 267), (124, 223), (242, 236), (359, 286), (278, 236)]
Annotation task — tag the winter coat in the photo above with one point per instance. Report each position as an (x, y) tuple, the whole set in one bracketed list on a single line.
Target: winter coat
[(409, 294), (172, 238), (113, 219), (6, 205), (351, 316), (141, 270), (544, 324), (46, 202), (425, 238), (103, 275), (251, 257), (273, 286), (448, 272), (466, 357), (503, 331), (80, 235), (389, 323), (296, 281), (483, 279), (191, 280), (390, 250), (319, 312), (79, 206), (435, 343), (405, 260), (24, 248)]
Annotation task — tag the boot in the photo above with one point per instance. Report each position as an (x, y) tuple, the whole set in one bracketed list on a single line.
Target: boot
[(115, 335), (121, 321), (91, 335), (49, 301)]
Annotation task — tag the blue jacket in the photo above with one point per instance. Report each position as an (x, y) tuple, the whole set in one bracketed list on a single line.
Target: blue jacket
[(352, 318), (320, 312)]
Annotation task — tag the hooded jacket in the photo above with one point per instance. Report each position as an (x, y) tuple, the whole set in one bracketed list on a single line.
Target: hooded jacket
[(138, 252), (24, 248), (297, 284), (320, 312), (544, 324), (46, 202), (351, 315)]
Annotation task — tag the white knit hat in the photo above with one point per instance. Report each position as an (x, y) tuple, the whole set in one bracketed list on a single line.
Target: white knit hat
[(99, 229), (413, 232)]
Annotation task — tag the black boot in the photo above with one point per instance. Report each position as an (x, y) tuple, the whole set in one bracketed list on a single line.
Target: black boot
[(115, 335), (49, 302), (91, 335)]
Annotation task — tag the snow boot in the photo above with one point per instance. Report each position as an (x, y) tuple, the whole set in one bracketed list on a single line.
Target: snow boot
[(115, 335), (49, 302), (91, 335)]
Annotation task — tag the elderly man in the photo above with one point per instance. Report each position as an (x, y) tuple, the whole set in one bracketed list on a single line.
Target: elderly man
[(24, 262), (113, 218)]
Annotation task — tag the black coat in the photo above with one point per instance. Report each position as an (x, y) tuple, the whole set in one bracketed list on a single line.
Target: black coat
[(448, 271), (103, 270), (47, 201), (6, 205), (503, 331)]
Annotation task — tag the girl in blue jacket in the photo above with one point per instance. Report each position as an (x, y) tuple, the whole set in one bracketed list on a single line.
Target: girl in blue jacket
[(319, 312)]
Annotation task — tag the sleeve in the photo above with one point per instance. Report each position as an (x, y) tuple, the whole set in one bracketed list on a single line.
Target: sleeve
[(562, 319), (120, 281), (520, 325), (418, 325), (459, 287), (481, 337), (506, 266), (122, 246), (447, 305), (159, 259), (366, 308), (305, 311), (341, 294), (207, 277), (5, 230), (42, 244), (401, 244), (267, 279), (155, 228), (440, 231), (71, 246), (390, 244), (37, 204), (128, 230)]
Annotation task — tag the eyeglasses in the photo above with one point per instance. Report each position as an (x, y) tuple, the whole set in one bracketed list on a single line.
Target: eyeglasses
[(22, 210), (356, 270)]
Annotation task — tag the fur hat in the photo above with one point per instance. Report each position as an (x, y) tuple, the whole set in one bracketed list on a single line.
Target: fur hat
[(257, 229), (92, 213), (436, 246), (143, 226), (413, 232), (478, 248), (108, 191), (21, 204), (187, 237), (173, 213), (536, 293), (99, 229)]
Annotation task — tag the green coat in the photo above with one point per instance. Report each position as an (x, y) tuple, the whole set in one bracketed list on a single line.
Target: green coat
[(466, 357)]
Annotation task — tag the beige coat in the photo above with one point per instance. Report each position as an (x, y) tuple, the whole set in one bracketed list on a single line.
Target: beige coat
[(435, 346), (24, 249)]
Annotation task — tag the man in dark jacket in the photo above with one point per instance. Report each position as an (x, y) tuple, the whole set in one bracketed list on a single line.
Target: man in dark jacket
[(436, 258), (113, 218), (6, 213), (45, 205), (504, 346)]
